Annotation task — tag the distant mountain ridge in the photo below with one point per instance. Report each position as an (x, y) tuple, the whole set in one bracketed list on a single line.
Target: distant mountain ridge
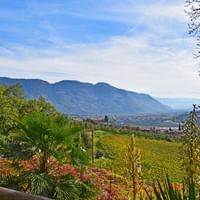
[(74, 97), (179, 103)]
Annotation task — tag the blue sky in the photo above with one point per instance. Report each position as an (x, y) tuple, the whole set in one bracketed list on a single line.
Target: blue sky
[(136, 45)]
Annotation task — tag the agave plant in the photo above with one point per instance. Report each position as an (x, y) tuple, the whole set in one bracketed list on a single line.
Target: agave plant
[(165, 190)]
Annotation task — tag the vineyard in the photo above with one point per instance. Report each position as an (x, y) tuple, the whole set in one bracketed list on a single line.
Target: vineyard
[(158, 157)]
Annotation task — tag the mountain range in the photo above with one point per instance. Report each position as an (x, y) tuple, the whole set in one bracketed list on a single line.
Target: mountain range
[(78, 98)]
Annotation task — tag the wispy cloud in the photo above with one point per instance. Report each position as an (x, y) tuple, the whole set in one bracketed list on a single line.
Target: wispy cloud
[(132, 63)]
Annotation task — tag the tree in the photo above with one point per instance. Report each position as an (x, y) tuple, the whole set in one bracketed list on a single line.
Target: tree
[(11, 97), (11, 101), (44, 137), (179, 126), (106, 119), (41, 105), (133, 167), (13, 107), (193, 13), (191, 147), (15, 90)]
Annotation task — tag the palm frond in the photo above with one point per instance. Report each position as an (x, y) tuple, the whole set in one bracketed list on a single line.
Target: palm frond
[(66, 190), (36, 183)]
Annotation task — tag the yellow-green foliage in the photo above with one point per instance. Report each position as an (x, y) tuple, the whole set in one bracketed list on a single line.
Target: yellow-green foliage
[(158, 157)]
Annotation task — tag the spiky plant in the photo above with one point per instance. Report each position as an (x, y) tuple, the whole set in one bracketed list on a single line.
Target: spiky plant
[(133, 167), (165, 190), (190, 150)]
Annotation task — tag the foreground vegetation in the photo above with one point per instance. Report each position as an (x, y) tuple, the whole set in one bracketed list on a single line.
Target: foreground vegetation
[(48, 154)]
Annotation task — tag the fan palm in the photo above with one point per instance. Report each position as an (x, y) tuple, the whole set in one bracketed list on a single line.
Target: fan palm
[(45, 137)]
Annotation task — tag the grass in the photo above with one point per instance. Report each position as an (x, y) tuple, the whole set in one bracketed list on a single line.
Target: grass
[(158, 157)]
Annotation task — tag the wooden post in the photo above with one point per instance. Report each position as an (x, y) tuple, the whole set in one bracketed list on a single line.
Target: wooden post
[(110, 188), (92, 146)]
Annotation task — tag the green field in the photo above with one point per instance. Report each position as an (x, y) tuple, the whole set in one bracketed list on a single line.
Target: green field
[(158, 157)]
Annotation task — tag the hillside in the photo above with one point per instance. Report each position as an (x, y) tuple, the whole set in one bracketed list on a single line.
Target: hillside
[(74, 97)]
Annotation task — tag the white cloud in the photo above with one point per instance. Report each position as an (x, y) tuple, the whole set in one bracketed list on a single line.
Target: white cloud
[(126, 62), (173, 11)]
